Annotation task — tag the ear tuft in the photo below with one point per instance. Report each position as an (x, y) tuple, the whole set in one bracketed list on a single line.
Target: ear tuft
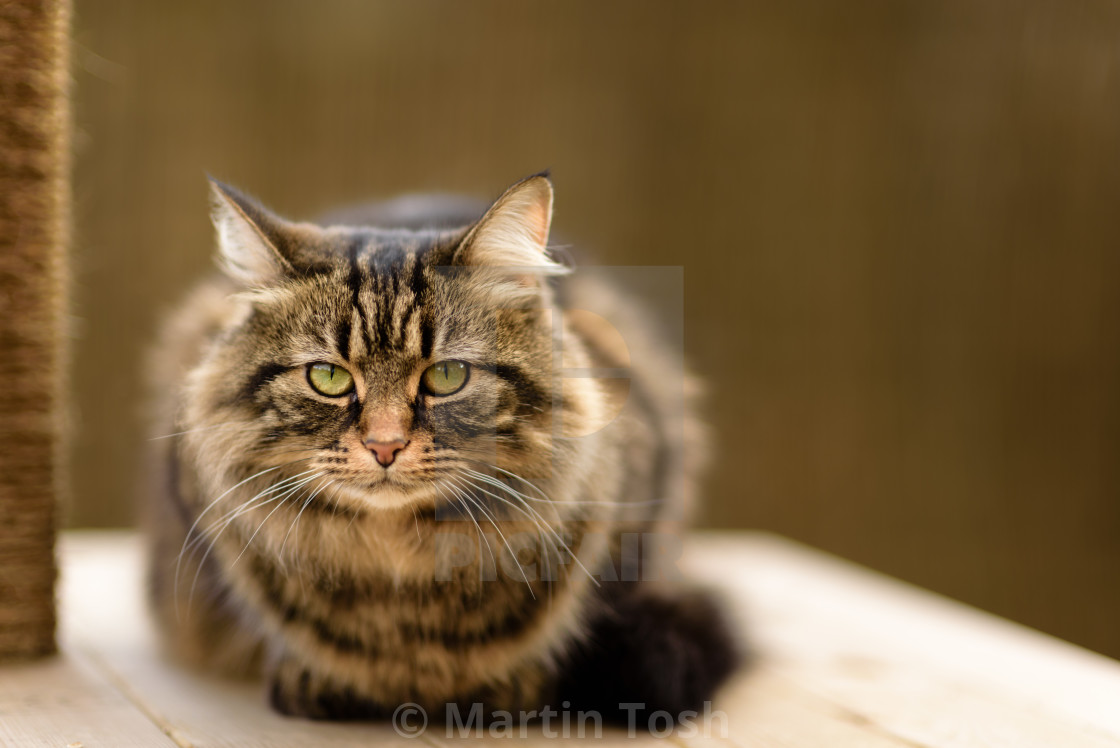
[(247, 237), (514, 231)]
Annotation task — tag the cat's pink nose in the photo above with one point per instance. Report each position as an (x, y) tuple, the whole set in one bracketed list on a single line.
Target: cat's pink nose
[(385, 451)]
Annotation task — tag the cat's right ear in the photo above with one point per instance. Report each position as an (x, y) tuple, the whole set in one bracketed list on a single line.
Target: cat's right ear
[(513, 234), (250, 238)]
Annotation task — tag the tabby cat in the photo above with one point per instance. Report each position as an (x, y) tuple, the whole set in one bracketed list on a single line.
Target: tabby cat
[(380, 481)]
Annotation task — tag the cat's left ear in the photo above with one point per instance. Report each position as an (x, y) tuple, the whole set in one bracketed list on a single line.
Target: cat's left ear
[(513, 234), (256, 247)]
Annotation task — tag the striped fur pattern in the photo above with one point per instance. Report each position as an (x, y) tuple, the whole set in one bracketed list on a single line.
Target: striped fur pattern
[(471, 567)]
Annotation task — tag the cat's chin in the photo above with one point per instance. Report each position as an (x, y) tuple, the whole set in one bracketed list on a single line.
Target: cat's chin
[(387, 496)]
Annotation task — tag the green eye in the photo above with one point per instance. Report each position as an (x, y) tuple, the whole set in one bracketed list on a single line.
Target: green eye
[(330, 380), (446, 377)]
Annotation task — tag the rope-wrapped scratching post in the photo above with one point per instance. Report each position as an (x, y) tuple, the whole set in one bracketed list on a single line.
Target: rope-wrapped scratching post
[(34, 213)]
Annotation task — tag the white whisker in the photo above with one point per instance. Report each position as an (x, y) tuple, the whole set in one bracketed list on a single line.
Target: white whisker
[(282, 498), (478, 527), (194, 525), (528, 511), (295, 522), (466, 495)]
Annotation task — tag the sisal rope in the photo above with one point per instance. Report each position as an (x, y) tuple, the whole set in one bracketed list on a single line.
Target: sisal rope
[(34, 212)]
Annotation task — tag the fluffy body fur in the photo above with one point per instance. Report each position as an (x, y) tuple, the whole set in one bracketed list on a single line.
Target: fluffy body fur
[(488, 560)]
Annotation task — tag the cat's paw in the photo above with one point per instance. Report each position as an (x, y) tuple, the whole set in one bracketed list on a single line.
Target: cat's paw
[(669, 650), (297, 692)]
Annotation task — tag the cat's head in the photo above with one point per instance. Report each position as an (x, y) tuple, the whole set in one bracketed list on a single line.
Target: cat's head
[(389, 365)]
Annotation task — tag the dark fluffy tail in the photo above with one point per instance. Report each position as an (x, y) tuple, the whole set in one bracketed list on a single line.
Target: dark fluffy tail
[(669, 649)]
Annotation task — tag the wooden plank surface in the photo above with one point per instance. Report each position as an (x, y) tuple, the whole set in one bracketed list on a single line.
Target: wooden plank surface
[(914, 665), (65, 701), (194, 709), (844, 658)]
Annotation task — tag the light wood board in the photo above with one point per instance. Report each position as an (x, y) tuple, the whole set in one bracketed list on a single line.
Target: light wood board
[(844, 657)]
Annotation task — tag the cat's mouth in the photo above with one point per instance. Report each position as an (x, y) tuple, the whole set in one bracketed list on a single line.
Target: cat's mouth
[(388, 492)]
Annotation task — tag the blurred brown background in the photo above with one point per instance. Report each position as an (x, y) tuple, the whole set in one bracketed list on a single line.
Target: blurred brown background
[(898, 222)]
